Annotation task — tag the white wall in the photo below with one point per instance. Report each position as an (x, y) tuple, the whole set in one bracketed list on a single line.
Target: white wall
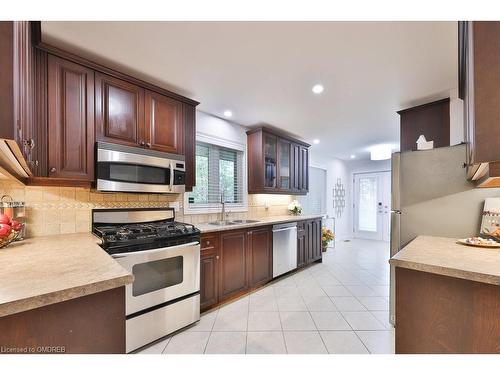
[(335, 169), (218, 128)]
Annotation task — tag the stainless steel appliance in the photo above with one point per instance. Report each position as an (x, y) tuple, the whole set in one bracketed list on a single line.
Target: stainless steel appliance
[(164, 257), (131, 169), (284, 248), (431, 196)]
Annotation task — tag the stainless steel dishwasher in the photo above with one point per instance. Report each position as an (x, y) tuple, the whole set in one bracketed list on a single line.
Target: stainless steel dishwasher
[(284, 248)]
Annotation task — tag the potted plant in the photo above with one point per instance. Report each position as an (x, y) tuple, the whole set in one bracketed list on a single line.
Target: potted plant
[(295, 208), (326, 236)]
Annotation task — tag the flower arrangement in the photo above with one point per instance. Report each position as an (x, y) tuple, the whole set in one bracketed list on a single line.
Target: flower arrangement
[(295, 208), (326, 236)]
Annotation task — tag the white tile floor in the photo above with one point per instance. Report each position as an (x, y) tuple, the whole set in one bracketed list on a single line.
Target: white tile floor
[(339, 306)]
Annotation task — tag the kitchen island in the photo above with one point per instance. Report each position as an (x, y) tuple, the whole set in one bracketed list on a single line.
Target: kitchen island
[(61, 293), (447, 297)]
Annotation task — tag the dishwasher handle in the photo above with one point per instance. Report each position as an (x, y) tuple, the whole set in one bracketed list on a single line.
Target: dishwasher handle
[(284, 229)]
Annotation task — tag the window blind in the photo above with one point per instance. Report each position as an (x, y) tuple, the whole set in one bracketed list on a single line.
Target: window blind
[(219, 170), (315, 201)]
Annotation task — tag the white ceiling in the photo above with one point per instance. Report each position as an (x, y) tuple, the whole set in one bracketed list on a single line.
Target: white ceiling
[(263, 71)]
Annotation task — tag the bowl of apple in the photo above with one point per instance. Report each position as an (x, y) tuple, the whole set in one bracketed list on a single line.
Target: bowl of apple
[(9, 230)]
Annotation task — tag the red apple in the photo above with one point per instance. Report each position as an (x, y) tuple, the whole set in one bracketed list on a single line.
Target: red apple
[(16, 225), (5, 230), (4, 219)]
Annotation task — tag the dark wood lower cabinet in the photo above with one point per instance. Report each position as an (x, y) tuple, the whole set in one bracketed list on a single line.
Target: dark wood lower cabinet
[(234, 262), (441, 314), (209, 271), (89, 324), (260, 256), (301, 244), (233, 278)]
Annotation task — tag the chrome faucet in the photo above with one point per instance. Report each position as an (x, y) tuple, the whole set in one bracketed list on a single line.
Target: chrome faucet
[(223, 203)]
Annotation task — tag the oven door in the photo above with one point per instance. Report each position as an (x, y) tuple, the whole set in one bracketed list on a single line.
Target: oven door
[(161, 275)]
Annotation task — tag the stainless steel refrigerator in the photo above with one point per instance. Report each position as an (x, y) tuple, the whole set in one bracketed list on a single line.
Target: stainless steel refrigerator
[(431, 196)]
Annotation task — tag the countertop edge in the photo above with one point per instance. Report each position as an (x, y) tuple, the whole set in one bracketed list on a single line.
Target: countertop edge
[(446, 271), (34, 302), (261, 223)]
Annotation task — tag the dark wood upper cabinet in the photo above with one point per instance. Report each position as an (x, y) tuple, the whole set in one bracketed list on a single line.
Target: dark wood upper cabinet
[(233, 275), (479, 82), (17, 90), (430, 119), (277, 164), (190, 145), (119, 111), (70, 120), (260, 256), (164, 123)]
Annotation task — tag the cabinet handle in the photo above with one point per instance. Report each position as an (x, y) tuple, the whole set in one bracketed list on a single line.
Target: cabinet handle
[(208, 243), (217, 257), (53, 170)]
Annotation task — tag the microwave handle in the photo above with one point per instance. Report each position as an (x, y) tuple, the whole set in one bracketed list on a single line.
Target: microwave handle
[(172, 176)]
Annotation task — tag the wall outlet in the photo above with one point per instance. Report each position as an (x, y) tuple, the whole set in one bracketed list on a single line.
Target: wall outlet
[(175, 205)]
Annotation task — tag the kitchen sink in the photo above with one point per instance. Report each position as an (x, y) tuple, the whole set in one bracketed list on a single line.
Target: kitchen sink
[(221, 223), (245, 221)]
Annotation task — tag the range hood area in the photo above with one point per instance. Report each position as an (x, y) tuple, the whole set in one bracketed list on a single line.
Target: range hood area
[(13, 166), (486, 175)]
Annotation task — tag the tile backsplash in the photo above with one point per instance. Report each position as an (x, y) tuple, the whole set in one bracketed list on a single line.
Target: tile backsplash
[(59, 210)]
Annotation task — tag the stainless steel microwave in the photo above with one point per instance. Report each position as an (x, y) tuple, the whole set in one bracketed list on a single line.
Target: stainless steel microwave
[(134, 170)]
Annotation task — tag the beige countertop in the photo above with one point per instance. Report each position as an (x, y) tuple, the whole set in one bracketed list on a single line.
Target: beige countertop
[(443, 256), (207, 228), (45, 270)]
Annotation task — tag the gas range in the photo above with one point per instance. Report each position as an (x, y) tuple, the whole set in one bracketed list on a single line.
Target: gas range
[(164, 257), (132, 236)]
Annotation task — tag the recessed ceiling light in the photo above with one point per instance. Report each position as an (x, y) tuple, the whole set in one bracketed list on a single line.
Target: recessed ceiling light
[(318, 89), (353, 156), (381, 152), (316, 141), (228, 113)]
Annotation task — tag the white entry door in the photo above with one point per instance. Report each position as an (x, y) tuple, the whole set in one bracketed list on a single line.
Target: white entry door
[(372, 205)]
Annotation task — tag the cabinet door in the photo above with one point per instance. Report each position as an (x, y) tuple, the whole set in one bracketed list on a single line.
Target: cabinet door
[(260, 255), (309, 241), (485, 134), (295, 185), (164, 123), (270, 151), (316, 252), (232, 278), (304, 170), (209, 278), (284, 164), (301, 244), (119, 111), (190, 145), (70, 120)]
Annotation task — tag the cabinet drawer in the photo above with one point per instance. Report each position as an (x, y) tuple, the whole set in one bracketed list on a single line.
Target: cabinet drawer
[(209, 241)]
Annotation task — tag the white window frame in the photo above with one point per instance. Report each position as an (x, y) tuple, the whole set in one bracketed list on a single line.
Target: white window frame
[(216, 207)]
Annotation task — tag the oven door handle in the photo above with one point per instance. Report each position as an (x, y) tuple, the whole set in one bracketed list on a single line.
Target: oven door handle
[(152, 251)]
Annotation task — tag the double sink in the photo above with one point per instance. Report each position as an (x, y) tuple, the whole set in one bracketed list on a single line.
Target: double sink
[(221, 223)]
